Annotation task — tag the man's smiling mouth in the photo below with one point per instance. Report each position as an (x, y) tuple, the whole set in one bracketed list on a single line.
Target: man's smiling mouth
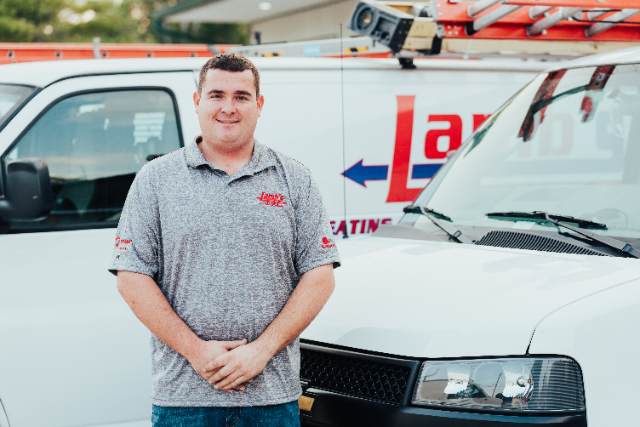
[(227, 122)]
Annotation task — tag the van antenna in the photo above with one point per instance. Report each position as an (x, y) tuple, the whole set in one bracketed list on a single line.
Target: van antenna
[(344, 155)]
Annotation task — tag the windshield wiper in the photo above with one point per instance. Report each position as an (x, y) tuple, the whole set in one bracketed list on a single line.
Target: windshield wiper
[(455, 235), (560, 221), (423, 210), (540, 216)]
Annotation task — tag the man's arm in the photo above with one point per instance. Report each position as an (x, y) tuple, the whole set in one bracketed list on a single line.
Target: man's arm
[(148, 303), (242, 364)]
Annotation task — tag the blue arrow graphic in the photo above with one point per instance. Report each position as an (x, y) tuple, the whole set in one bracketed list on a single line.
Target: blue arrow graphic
[(425, 170), (360, 173)]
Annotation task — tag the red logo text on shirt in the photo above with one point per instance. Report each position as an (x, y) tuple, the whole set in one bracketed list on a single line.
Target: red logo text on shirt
[(122, 245), (277, 200), (327, 243)]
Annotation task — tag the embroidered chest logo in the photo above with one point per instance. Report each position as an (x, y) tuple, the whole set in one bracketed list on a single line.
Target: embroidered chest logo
[(277, 200), (122, 245), (327, 243)]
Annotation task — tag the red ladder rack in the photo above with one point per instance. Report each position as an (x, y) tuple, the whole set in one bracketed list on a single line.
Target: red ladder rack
[(560, 20)]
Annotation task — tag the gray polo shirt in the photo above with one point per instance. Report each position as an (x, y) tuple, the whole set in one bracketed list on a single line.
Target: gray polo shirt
[(226, 251)]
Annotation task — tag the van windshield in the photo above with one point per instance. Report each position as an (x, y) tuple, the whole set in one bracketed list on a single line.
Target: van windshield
[(11, 97), (567, 144)]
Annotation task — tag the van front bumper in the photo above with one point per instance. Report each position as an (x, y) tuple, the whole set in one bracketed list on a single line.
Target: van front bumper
[(330, 409), (344, 387)]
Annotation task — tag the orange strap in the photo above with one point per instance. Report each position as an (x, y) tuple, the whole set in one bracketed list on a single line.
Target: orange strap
[(22, 52)]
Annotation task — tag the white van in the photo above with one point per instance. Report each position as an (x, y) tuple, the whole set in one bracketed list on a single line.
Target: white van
[(71, 353), (509, 293)]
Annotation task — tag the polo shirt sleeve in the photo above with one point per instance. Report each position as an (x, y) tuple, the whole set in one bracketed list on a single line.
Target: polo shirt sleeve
[(315, 245), (137, 237)]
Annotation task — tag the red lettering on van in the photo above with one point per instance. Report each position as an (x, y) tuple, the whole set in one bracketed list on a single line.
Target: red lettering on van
[(398, 189), (453, 133), (358, 225), (479, 119)]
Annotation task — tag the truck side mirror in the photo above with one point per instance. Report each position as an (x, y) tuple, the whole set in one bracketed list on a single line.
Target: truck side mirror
[(28, 191)]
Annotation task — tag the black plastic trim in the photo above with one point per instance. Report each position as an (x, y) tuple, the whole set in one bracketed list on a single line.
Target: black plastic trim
[(3, 178), (307, 342), (117, 73), (331, 409), (413, 365), (70, 227)]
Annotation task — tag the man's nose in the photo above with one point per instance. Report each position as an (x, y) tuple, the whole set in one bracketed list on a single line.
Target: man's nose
[(228, 106)]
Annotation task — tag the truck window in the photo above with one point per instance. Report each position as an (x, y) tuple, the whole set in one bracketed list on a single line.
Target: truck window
[(566, 144), (11, 96), (93, 144)]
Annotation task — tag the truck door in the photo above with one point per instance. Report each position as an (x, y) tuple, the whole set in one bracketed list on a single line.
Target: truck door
[(70, 346)]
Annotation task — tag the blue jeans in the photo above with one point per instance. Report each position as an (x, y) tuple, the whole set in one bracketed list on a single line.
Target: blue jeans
[(283, 415)]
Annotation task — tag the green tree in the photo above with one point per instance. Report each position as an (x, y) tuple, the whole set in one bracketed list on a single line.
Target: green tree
[(110, 20), (207, 33), (25, 20)]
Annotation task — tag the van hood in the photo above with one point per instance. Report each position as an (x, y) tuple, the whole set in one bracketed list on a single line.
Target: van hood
[(443, 299)]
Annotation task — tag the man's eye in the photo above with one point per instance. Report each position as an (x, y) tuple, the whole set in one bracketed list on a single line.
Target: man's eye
[(243, 98)]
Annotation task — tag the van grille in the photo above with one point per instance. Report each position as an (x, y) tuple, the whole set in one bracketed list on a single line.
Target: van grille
[(355, 376), (520, 240)]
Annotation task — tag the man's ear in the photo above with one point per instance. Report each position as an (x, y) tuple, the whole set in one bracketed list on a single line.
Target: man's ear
[(260, 102), (196, 99)]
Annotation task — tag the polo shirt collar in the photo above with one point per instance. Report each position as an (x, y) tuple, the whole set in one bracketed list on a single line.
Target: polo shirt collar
[(261, 159), (194, 156)]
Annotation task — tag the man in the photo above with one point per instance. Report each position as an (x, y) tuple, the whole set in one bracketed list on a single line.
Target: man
[(223, 251)]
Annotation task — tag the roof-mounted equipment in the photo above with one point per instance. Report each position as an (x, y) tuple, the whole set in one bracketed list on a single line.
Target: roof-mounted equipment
[(564, 27)]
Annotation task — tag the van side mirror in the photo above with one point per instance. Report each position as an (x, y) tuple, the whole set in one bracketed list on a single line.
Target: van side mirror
[(28, 191)]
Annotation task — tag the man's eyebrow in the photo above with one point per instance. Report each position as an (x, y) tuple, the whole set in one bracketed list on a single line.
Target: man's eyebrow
[(221, 92)]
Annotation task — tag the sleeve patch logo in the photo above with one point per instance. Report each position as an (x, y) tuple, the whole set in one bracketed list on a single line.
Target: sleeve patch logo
[(327, 243), (276, 200), (122, 245)]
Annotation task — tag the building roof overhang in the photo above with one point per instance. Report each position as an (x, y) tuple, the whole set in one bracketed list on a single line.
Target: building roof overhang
[(237, 11)]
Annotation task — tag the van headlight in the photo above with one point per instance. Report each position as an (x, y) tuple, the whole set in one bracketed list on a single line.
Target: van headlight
[(541, 384)]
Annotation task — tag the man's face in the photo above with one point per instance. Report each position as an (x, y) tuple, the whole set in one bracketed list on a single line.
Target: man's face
[(227, 108)]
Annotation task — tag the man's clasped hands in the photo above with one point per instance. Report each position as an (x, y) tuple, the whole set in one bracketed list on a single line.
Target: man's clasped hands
[(229, 365)]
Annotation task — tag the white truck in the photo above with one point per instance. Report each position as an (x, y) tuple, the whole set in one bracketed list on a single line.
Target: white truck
[(509, 293), (74, 133)]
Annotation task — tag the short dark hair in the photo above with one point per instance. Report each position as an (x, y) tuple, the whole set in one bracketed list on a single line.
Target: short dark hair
[(229, 62)]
